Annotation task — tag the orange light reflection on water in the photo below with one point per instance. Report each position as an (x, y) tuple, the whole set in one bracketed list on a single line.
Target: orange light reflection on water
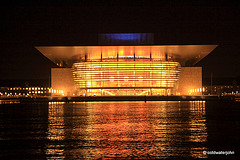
[(128, 129), (55, 131)]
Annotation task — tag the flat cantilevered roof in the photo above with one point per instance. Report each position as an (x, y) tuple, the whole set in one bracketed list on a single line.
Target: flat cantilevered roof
[(185, 54)]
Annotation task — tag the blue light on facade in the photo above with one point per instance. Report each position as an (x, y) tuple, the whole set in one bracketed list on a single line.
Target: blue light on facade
[(125, 38)]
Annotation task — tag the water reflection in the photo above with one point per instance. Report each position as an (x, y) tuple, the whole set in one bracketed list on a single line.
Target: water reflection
[(56, 132), (223, 128), (23, 129), (126, 130)]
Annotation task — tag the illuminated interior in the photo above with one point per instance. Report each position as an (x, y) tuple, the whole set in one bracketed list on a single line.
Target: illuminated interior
[(126, 78)]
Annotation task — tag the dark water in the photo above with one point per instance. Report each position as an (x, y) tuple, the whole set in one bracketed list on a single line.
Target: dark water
[(123, 130)]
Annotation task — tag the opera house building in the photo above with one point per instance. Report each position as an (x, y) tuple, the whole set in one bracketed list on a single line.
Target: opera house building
[(126, 64)]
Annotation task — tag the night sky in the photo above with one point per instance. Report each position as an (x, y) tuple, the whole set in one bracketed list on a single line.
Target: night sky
[(24, 26)]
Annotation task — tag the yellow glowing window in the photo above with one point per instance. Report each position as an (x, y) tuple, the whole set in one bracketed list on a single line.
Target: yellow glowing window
[(111, 79)]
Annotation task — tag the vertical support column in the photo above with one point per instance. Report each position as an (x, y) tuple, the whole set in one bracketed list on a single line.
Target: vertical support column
[(101, 56), (85, 57), (174, 91), (166, 56), (166, 93), (134, 54), (150, 54)]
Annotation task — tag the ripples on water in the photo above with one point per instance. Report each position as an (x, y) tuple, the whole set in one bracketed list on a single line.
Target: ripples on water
[(104, 130)]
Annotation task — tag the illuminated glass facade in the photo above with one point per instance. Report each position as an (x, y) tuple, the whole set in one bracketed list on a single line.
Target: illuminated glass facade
[(126, 77)]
